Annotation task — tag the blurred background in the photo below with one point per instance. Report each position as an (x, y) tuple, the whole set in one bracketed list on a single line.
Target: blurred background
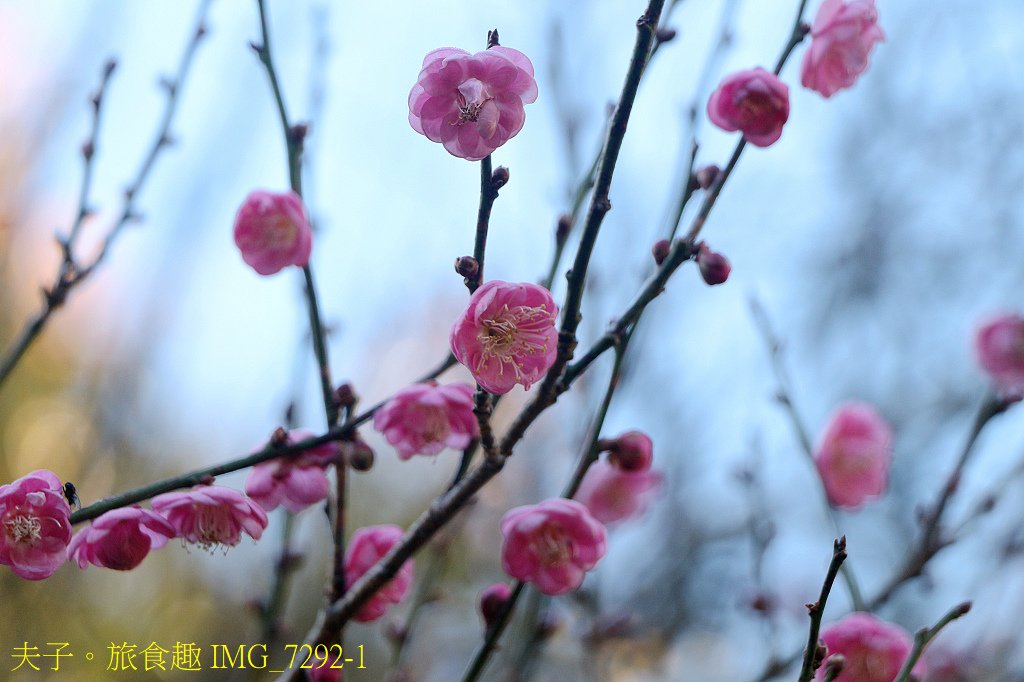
[(875, 234)]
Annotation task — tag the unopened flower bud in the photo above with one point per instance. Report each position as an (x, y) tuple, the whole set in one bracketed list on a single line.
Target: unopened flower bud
[(279, 437), (345, 396), (660, 250), (492, 601), (499, 178), (563, 228), (664, 35), (632, 451), (706, 176), (714, 267), (358, 454), (467, 266)]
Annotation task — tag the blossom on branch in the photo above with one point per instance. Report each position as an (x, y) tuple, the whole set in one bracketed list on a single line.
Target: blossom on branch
[(613, 494), (842, 37), (507, 335), (999, 346), (551, 544), (365, 549), (755, 102), (211, 515), (272, 231), (423, 419), (874, 649), (854, 454), (472, 103), (120, 539), (36, 531), (294, 482)]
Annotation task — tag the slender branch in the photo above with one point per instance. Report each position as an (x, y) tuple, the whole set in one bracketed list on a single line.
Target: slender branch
[(284, 567), (486, 648), (71, 272), (925, 636), (785, 398), (815, 653), (488, 193)]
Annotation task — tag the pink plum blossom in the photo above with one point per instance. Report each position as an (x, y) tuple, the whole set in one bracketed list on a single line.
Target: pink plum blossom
[(854, 454), (551, 544), (612, 494), (842, 37), (874, 649), (472, 104), (295, 482), (423, 419), (365, 549), (999, 346), (120, 539), (631, 451), (493, 599), (272, 231), (36, 525), (211, 515), (507, 335), (754, 102)]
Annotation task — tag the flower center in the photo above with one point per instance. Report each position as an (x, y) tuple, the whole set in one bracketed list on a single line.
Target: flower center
[(23, 528), (552, 547), (513, 333), (471, 99), (212, 527), (279, 233), (756, 105), (435, 425)]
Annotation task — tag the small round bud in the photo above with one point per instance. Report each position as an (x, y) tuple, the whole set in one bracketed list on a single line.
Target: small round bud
[(499, 178), (563, 228), (357, 454), (279, 437), (664, 35), (467, 266), (632, 451), (492, 601), (714, 267), (660, 250), (345, 396), (706, 176)]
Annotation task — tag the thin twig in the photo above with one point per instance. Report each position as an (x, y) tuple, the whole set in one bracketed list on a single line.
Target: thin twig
[(925, 636), (72, 272), (815, 653)]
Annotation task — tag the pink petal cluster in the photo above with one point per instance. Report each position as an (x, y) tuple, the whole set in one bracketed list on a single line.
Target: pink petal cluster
[(272, 231), (874, 649), (365, 549), (211, 515), (551, 544), (842, 37), (612, 494), (632, 451), (472, 103), (754, 102), (854, 454), (999, 345), (35, 525), (507, 335), (293, 482), (423, 419), (120, 539)]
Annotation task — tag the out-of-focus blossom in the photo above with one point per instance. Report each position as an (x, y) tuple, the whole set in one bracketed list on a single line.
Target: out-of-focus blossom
[(874, 649), (551, 544), (507, 335), (272, 231), (472, 103), (36, 527), (120, 539), (492, 600), (365, 549), (842, 37), (999, 345), (854, 454), (632, 451), (212, 515), (423, 419), (755, 102), (612, 494), (326, 672), (294, 482)]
